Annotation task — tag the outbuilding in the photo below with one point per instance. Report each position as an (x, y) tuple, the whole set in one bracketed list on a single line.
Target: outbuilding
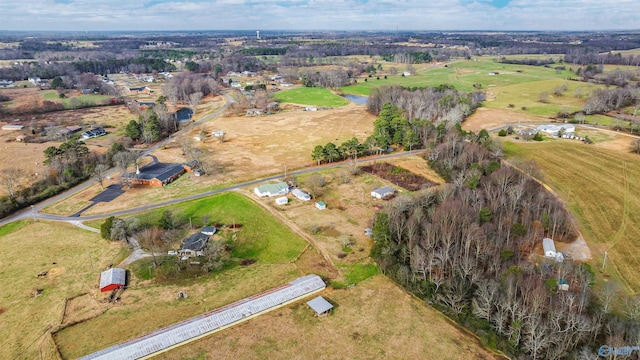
[(321, 306), (549, 248), (112, 279), (208, 230), (282, 200), (320, 205), (563, 284), (383, 192), (301, 195)]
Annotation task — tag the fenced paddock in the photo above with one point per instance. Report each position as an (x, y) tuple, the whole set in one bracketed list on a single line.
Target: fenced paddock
[(200, 326)]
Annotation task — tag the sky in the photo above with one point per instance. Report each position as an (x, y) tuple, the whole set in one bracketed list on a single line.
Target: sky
[(382, 15)]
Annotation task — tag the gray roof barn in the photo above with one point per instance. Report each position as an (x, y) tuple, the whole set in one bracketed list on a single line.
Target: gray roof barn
[(209, 322), (112, 279)]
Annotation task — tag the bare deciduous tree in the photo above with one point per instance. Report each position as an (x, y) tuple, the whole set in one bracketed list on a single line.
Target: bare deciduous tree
[(11, 178), (194, 100), (99, 173)]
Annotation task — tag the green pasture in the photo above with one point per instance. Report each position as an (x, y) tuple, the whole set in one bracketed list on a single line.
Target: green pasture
[(261, 237), (311, 96), (528, 94), (68, 101), (463, 75)]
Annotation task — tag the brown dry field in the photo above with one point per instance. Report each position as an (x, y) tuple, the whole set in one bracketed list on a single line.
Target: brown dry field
[(73, 258), (485, 118), (146, 306), (372, 320), (31, 155), (254, 147)]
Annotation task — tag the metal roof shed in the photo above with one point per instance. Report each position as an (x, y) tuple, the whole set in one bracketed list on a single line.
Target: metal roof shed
[(549, 247), (112, 279), (321, 306)]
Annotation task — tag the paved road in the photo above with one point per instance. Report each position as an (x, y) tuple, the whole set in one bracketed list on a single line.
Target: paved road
[(33, 211), (213, 192)]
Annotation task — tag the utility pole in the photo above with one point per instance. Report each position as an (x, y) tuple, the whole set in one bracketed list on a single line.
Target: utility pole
[(604, 261)]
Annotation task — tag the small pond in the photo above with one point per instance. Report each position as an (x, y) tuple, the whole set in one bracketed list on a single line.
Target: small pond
[(356, 99)]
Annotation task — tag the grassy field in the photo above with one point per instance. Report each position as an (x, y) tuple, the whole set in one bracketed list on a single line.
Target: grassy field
[(464, 75), (148, 305), (373, 320), (311, 96), (68, 101), (527, 95), (261, 237), (602, 189), (73, 259)]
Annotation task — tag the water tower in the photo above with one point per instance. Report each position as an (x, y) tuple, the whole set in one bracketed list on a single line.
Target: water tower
[(258, 34)]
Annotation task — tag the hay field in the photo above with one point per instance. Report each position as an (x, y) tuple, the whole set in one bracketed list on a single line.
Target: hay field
[(73, 258), (601, 187), (372, 320)]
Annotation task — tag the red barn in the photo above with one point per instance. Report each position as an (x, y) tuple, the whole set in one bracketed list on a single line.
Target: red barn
[(112, 279)]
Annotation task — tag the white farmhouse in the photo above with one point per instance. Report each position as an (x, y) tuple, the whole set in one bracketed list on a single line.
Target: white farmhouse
[(554, 130), (276, 189)]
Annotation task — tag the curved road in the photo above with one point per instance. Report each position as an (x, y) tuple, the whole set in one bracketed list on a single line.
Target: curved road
[(77, 219), (33, 211)]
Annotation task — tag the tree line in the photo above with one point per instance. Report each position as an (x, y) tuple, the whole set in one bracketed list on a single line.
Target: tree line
[(66, 166), (441, 104), (49, 70), (507, 213), (466, 247)]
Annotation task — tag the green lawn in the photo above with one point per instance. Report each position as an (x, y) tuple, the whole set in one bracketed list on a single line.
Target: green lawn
[(261, 237), (311, 96)]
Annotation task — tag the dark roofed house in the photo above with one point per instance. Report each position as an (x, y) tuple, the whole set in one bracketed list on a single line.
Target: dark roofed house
[(112, 279), (89, 134), (191, 165), (73, 128), (145, 104), (183, 114), (194, 245), (321, 306), (156, 174)]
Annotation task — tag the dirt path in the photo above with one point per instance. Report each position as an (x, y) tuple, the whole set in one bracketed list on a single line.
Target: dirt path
[(293, 226)]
